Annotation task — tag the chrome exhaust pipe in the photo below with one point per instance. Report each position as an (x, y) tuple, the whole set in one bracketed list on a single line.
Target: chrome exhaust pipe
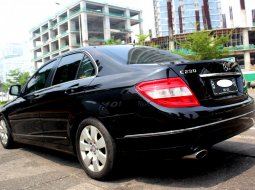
[(197, 155)]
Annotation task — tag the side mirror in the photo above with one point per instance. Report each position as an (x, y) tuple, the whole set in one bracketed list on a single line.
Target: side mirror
[(15, 90)]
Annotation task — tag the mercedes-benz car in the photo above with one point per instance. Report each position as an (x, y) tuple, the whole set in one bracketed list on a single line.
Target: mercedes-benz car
[(100, 102)]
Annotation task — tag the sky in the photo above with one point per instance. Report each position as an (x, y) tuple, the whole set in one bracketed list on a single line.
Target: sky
[(19, 16)]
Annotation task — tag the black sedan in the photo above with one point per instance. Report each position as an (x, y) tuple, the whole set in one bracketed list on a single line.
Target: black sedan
[(100, 102)]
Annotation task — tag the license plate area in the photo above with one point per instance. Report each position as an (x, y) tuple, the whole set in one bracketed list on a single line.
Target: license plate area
[(224, 86)]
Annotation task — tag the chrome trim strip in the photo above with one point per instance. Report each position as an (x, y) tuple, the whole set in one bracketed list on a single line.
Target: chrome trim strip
[(93, 62), (185, 130), (38, 136), (220, 74)]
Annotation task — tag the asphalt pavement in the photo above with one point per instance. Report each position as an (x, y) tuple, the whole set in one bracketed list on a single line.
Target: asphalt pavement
[(229, 165)]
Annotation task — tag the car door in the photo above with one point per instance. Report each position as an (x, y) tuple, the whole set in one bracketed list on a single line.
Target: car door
[(73, 75), (25, 115)]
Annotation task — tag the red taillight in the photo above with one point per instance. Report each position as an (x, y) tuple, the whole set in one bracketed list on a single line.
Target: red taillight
[(170, 92)]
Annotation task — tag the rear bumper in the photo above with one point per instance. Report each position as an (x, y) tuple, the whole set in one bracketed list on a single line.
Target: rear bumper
[(186, 140)]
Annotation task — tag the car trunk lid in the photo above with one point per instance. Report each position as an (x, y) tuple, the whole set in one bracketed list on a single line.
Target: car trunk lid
[(214, 82)]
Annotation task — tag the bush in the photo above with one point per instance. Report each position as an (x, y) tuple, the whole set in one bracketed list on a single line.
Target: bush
[(2, 103)]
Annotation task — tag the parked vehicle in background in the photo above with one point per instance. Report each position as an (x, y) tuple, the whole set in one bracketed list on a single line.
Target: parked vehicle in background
[(98, 102)]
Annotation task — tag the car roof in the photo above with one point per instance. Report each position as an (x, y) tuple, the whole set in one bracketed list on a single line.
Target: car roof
[(87, 48)]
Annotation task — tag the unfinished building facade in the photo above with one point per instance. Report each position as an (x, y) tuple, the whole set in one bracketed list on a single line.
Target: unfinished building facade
[(81, 24), (241, 44)]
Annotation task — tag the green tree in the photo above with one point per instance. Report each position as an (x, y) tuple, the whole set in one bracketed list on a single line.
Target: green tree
[(141, 38), (112, 41), (202, 45), (16, 77)]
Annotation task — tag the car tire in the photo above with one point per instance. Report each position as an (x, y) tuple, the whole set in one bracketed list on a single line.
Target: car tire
[(96, 149), (5, 134)]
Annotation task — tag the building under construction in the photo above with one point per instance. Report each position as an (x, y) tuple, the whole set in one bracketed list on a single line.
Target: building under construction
[(241, 44), (81, 24)]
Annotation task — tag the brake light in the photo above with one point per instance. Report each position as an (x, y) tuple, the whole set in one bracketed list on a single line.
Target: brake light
[(170, 92)]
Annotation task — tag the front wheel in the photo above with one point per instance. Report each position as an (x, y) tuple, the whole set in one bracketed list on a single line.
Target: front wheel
[(5, 134), (95, 149)]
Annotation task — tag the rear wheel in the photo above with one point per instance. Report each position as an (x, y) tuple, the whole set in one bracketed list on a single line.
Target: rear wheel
[(5, 134), (95, 148)]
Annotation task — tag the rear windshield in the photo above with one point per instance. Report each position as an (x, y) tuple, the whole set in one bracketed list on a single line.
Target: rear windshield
[(141, 55)]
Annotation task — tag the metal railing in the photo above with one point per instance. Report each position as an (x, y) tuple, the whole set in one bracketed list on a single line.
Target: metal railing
[(63, 47), (54, 52), (236, 48)]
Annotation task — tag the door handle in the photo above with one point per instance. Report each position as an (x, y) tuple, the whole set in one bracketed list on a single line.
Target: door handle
[(38, 95), (34, 97), (72, 89)]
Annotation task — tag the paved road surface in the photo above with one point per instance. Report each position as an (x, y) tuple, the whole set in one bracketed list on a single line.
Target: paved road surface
[(230, 165)]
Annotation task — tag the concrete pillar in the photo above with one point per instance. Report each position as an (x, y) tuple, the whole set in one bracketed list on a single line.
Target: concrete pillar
[(231, 17), (246, 37), (247, 60), (71, 25), (232, 23), (107, 25), (35, 65), (53, 47), (128, 26), (44, 50), (49, 31), (253, 17), (51, 34), (58, 27), (247, 57), (71, 36), (170, 23), (244, 18), (34, 43), (171, 44), (141, 22), (50, 38), (58, 33), (84, 25), (243, 13), (68, 28)]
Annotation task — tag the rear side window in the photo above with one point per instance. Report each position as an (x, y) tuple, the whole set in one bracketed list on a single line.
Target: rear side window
[(38, 81), (145, 55), (141, 55), (67, 68), (86, 69)]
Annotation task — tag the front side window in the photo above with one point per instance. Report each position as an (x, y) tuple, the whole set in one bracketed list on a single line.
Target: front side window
[(38, 81), (67, 68)]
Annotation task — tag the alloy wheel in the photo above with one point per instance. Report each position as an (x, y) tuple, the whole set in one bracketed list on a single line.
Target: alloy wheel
[(3, 132), (93, 148)]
